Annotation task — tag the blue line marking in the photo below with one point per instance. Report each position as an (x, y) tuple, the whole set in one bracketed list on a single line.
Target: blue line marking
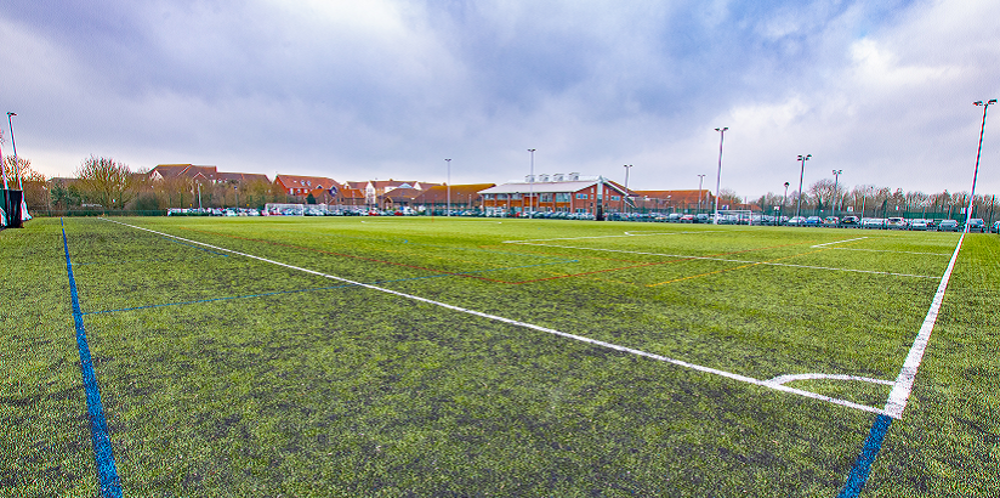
[(379, 282), (106, 472), (863, 465)]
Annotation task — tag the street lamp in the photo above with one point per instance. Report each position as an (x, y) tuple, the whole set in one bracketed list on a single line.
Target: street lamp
[(718, 178), (836, 178), (627, 168), (802, 172), (13, 145), (531, 185), (968, 215), (449, 187), (701, 178), (784, 202)]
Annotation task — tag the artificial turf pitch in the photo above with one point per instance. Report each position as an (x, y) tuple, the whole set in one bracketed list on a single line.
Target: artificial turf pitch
[(417, 360)]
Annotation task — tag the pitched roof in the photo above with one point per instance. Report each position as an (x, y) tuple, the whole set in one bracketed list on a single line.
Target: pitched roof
[(240, 177), (439, 194), (547, 187), (306, 182), (166, 171)]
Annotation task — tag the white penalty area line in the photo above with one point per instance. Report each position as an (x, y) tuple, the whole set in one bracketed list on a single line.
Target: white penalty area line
[(722, 373), (726, 260), (900, 393), (839, 242)]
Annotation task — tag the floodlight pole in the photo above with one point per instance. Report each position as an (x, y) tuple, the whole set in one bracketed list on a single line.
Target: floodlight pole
[(448, 212), (784, 202), (802, 172), (718, 178), (13, 145), (701, 178), (531, 185), (972, 196), (836, 178), (627, 168)]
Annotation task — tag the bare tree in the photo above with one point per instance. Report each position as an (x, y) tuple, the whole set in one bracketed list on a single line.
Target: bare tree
[(107, 182)]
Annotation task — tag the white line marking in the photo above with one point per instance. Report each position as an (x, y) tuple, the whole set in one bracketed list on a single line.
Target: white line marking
[(893, 252), (839, 242), (711, 258), (783, 379), (900, 394), (627, 234), (616, 347)]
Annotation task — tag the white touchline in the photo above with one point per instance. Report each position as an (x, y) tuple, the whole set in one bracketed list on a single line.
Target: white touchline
[(726, 260), (616, 347), (784, 379), (839, 242), (900, 394)]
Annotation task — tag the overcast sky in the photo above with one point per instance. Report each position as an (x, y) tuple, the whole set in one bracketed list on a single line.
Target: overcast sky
[(383, 89)]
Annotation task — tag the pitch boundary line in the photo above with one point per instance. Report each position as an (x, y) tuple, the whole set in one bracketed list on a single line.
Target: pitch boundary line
[(627, 234), (900, 394), (783, 379), (726, 260), (517, 323)]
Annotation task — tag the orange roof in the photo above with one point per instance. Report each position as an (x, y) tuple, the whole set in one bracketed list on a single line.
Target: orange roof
[(305, 182)]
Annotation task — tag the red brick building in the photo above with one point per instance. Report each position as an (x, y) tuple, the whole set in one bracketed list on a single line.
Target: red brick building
[(567, 193)]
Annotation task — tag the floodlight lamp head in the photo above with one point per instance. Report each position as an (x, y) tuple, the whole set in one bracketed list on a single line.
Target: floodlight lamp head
[(9, 114), (992, 101), (978, 102)]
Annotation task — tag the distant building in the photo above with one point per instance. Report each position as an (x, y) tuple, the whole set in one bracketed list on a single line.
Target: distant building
[(303, 185), (462, 196), (552, 193), (375, 189), (205, 174)]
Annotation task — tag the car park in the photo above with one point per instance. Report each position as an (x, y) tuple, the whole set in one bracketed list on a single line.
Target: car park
[(948, 226)]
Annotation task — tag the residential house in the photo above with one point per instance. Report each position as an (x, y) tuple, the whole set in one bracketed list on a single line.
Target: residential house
[(462, 196), (303, 185)]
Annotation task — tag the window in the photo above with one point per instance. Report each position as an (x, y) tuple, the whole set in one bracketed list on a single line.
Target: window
[(582, 196), (515, 196), (562, 197), (615, 198), (546, 197), (501, 197)]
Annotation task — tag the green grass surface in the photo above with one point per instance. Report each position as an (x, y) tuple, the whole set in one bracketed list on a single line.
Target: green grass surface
[(222, 375)]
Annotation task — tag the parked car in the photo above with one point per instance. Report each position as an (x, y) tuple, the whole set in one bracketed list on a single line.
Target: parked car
[(851, 221), (873, 223), (814, 221), (895, 223), (976, 225), (996, 227), (796, 221), (920, 224), (948, 226), (831, 221)]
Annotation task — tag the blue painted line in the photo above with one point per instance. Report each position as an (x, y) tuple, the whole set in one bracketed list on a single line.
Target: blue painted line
[(379, 282), (863, 465), (126, 261), (214, 299), (107, 473)]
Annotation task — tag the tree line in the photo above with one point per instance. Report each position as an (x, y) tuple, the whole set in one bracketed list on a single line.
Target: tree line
[(106, 184)]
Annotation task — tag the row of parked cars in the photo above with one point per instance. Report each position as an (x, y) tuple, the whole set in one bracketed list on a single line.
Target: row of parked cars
[(895, 223)]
